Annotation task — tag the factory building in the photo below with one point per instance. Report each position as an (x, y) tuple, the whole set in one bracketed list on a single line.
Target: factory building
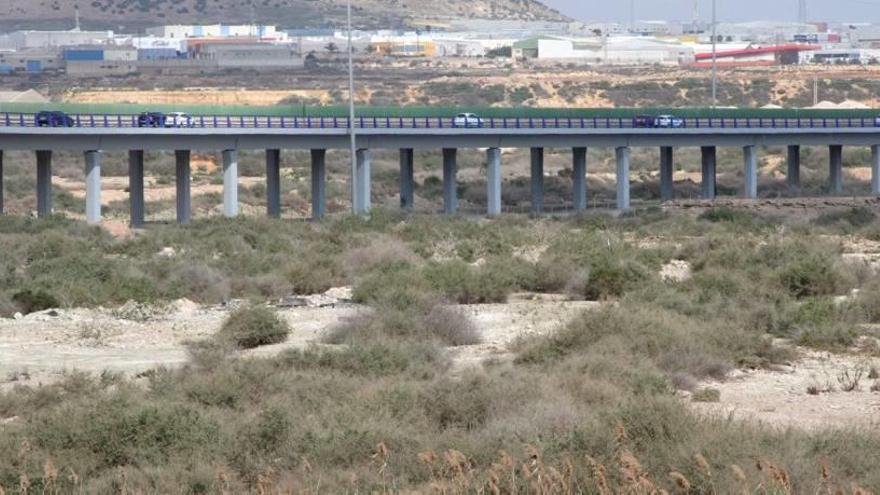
[(613, 51), (251, 55), (218, 31), (22, 40)]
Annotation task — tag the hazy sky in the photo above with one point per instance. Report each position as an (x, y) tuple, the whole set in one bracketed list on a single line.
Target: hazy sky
[(728, 10)]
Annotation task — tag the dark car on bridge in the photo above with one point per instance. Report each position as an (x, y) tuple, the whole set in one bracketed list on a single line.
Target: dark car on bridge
[(53, 118), (644, 121), (152, 119)]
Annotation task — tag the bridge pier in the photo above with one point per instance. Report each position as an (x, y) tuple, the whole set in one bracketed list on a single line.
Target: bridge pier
[(493, 181), (273, 183), (44, 183), (835, 153), (666, 173), (319, 184), (750, 172), (537, 181), (136, 188), (361, 188), (579, 178), (622, 154), (793, 177), (230, 183), (875, 170), (183, 176), (93, 187), (407, 180), (709, 155), (1, 182), (450, 181)]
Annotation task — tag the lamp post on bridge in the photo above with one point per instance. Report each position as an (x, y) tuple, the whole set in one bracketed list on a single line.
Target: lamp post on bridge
[(351, 115), (714, 54)]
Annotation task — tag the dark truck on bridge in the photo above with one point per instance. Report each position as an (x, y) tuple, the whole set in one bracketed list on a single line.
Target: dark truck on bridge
[(53, 118)]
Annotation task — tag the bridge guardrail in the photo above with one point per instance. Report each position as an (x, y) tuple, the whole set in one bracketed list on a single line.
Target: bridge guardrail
[(8, 119)]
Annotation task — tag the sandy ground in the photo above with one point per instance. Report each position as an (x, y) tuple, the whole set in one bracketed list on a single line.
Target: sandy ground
[(40, 347), (780, 398)]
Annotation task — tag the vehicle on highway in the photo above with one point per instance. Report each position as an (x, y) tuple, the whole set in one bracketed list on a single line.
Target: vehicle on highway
[(643, 121), (178, 119), (876, 121), (668, 121), (53, 118), (152, 119), (467, 120)]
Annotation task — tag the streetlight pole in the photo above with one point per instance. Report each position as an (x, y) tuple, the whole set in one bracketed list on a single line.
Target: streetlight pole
[(351, 130), (714, 54)]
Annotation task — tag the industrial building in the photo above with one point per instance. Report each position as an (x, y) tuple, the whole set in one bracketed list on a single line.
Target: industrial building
[(218, 31), (22, 40), (251, 55), (613, 51)]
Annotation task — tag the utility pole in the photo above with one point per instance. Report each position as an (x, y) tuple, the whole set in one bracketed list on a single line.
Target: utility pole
[(351, 130), (802, 11), (815, 90), (632, 16), (714, 54)]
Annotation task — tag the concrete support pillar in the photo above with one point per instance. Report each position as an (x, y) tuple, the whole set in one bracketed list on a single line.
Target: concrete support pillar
[(450, 181), (184, 200), (493, 181), (750, 172), (407, 180), (537, 181), (361, 179), (273, 183), (622, 154), (709, 159), (319, 184), (44, 183), (230, 183), (1, 183), (579, 178), (666, 170), (93, 187), (835, 151), (136, 188), (875, 172), (793, 160)]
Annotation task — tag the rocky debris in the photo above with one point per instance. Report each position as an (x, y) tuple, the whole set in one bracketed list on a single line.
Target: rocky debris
[(140, 312), (676, 271), (184, 306), (9, 420), (167, 252), (47, 315), (329, 299)]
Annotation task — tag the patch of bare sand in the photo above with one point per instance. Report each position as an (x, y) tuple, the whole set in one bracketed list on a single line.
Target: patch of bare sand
[(780, 398), (39, 348)]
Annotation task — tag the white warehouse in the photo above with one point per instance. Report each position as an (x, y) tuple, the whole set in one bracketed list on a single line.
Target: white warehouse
[(613, 51)]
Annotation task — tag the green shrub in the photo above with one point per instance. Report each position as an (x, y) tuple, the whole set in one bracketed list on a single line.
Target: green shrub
[(854, 217), (31, 301), (254, 326), (707, 395), (809, 276)]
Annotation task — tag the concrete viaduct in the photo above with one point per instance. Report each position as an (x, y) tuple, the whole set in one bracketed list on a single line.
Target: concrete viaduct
[(137, 141)]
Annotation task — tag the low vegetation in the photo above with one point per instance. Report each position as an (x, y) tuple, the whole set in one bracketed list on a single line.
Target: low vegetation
[(253, 326), (377, 406)]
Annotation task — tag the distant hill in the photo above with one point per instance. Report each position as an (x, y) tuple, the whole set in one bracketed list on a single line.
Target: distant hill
[(115, 14)]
